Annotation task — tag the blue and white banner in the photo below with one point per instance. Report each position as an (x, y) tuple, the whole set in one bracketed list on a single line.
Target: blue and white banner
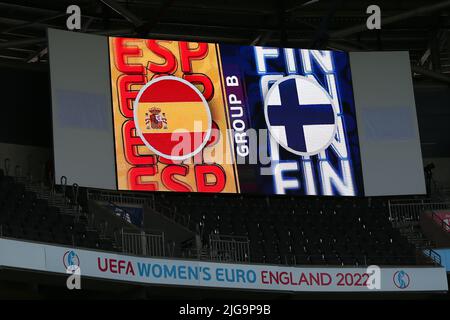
[(102, 265)]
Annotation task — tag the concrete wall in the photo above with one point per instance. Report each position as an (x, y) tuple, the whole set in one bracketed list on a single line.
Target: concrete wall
[(30, 159)]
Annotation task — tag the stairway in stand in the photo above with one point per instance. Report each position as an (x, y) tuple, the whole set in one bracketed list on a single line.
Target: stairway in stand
[(54, 198), (412, 232)]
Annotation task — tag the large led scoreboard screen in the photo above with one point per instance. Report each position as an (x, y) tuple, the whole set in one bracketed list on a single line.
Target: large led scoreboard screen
[(183, 116), (205, 117)]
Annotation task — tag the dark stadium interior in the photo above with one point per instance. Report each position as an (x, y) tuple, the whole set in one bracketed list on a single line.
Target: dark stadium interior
[(275, 230), (23, 49)]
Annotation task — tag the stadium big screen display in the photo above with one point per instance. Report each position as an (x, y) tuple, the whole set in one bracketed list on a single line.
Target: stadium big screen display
[(205, 117)]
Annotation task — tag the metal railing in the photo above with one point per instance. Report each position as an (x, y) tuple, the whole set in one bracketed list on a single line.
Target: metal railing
[(145, 243), (356, 260), (433, 255), (410, 210), (130, 198), (229, 248), (117, 197)]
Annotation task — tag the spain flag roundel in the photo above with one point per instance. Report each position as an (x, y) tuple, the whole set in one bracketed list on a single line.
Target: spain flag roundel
[(172, 118)]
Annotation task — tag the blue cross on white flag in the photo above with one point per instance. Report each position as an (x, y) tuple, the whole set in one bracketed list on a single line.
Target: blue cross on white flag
[(300, 116)]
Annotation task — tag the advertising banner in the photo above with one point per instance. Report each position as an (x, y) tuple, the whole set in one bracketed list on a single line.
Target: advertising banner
[(143, 270), (442, 217)]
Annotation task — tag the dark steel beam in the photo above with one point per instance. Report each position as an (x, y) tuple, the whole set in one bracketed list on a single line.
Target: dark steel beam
[(431, 74), (13, 64), (32, 23), (392, 19), (22, 43), (124, 12), (435, 51), (14, 23), (17, 7), (321, 35), (282, 17), (417, 69), (211, 6), (154, 21)]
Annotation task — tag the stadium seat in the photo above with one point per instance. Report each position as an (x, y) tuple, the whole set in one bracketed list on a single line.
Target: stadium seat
[(281, 230), (333, 231)]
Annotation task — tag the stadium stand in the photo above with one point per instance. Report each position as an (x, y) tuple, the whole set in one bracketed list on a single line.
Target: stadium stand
[(276, 230), (24, 215), (342, 103), (300, 231)]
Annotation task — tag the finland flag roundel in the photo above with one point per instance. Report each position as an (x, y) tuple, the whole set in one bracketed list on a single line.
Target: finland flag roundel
[(300, 115)]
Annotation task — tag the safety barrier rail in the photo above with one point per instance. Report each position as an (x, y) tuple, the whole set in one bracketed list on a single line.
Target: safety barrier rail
[(116, 197), (145, 243), (229, 248), (433, 255), (361, 260), (131, 198)]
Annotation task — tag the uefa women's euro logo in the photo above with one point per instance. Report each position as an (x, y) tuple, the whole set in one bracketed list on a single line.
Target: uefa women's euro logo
[(71, 262), (71, 259), (401, 279)]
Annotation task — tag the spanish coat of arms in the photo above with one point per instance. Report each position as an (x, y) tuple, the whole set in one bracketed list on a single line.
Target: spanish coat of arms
[(155, 120)]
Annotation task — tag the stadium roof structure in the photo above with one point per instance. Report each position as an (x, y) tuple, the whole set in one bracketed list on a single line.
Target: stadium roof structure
[(418, 26)]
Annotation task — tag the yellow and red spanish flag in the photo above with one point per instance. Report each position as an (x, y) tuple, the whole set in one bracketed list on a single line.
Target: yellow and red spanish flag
[(172, 117)]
